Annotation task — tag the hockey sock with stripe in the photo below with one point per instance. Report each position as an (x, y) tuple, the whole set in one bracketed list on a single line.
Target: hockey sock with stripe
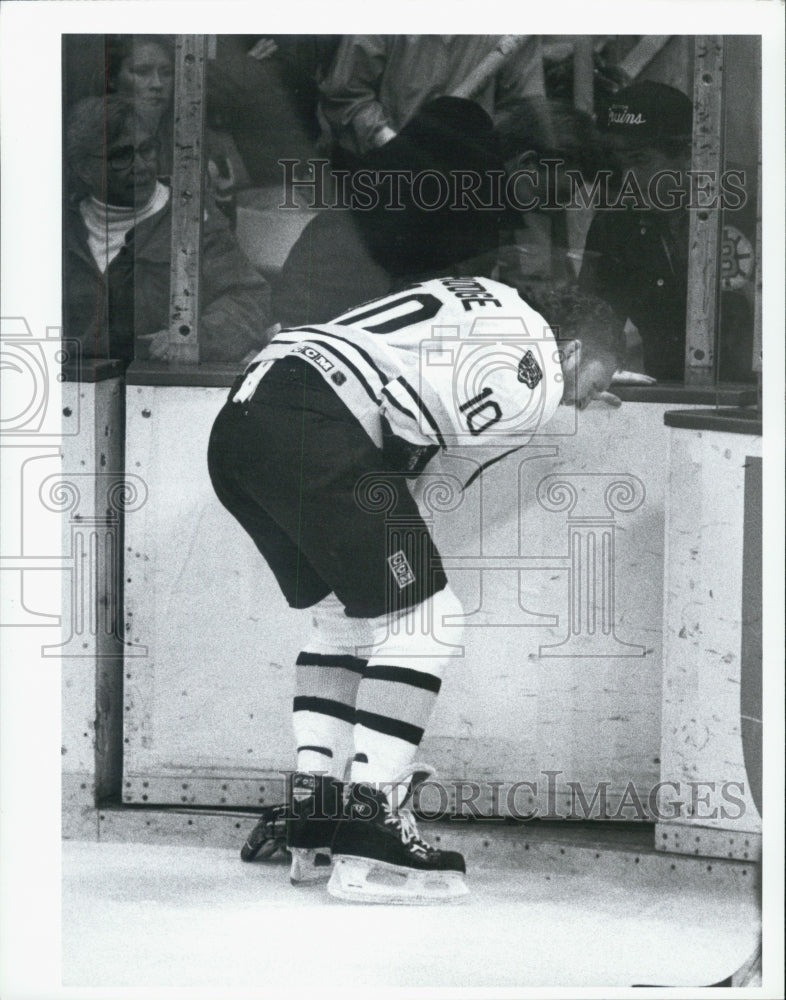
[(327, 675), (400, 685)]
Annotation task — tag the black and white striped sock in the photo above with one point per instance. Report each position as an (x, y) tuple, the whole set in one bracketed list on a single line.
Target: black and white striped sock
[(398, 691), (323, 710), (327, 676)]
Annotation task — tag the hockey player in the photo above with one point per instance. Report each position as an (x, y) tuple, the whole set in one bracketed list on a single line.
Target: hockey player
[(312, 454)]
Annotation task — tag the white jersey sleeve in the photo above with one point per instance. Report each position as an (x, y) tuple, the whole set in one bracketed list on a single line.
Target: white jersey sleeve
[(450, 361)]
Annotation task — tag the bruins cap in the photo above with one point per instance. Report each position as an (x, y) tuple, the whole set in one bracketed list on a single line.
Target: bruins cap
[(646, 112)]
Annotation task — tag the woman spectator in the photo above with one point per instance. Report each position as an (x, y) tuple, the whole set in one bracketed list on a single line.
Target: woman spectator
[(117, 243), (140, 68)]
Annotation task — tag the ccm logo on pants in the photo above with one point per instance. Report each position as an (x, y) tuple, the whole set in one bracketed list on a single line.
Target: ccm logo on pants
[(401, 569)]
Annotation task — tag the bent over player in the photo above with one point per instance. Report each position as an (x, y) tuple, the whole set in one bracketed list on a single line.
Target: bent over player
[(324, 416)]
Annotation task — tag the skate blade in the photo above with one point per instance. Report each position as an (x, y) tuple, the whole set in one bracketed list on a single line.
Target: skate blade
[(360, 880), (253, 851), (309, 865)]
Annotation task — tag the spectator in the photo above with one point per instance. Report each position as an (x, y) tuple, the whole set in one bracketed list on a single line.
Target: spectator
[(542, 139), (141, 69), (372, 100), (341, 259), (378, 82), (344, 257), (117, 248), (636, 257)]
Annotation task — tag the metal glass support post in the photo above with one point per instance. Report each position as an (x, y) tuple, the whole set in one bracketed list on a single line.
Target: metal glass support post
[(187, 199), (705, 217), (756, 363)]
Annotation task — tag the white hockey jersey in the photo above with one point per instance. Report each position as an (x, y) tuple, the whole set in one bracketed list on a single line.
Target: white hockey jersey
[(446, 362)]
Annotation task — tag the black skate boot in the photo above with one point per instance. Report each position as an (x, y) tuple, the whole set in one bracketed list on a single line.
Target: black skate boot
[(379, 856), (316, 805), (268, 836)]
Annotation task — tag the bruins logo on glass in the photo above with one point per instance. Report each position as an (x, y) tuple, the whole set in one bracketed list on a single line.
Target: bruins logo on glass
[(529, 370), (402, 571), (738, 259)]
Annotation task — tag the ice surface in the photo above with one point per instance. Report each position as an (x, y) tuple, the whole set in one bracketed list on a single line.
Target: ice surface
[(153, 915)]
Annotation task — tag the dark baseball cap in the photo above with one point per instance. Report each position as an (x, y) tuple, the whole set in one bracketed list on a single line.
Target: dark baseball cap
[(647, 112)]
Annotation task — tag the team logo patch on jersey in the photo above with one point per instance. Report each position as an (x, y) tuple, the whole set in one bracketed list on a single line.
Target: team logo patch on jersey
[(529, 370), (401, 569)]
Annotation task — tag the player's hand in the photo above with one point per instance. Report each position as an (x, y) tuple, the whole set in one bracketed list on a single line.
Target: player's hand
[(622, 377), (157, 344), (263, 49), (596, 396)]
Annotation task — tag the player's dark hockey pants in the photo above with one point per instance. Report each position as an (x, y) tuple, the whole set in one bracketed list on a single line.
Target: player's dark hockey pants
[(297, 470)]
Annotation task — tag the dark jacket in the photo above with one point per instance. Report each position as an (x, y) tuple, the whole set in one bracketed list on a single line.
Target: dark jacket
[(105, 312), (328, 270), (639, 265)]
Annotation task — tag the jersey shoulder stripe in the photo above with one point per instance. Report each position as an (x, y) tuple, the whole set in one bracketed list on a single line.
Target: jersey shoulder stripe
[(391, 397)]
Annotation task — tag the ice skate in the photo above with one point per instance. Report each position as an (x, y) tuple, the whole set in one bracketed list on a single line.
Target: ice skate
[(268, 836), (380, 857), (310, 826)]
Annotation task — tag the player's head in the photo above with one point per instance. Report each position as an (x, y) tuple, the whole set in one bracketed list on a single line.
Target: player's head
[(589, 338)]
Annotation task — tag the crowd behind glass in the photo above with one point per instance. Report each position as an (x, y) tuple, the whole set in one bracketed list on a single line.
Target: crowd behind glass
[(305, 108)]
